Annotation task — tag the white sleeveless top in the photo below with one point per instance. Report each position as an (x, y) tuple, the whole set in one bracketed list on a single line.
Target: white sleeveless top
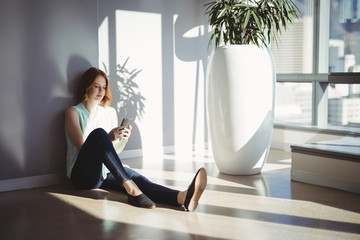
[(104, 117)]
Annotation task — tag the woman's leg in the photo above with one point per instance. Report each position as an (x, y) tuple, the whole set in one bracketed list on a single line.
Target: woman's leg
[(189, 198), (87, 171), (97, 149), (155, 192)]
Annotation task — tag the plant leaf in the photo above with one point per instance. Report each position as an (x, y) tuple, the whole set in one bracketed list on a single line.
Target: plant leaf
[(249, 21), (258, 23), (247, 18)]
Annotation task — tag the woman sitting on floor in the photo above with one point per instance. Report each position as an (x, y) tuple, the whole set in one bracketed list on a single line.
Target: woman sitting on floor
[(94, 140)]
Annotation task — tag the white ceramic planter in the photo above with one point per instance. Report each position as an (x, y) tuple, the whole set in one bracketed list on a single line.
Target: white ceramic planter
[(240, 106)]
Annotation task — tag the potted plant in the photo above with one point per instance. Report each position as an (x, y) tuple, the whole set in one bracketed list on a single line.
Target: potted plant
[(241, 80)]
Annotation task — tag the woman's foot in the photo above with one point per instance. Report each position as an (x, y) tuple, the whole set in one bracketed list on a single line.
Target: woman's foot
[(136, 197), (131, 188), (141, 201), (191, 196)]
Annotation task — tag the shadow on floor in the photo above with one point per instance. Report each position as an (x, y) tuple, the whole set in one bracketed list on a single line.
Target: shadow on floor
[(38, 214)]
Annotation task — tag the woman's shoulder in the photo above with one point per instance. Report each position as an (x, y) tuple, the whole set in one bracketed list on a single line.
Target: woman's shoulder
[(77, 107), (70, 111), (73, 110)]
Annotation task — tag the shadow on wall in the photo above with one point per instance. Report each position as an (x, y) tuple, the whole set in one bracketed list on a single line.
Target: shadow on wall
[(77, 65), (177, 18), (37, 74), (188, 47), (129, 101), (52, 115), (44, 97)]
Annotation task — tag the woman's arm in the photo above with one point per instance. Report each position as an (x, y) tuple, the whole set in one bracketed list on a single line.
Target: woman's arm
[(124, 135), (119, 135), (120, 145), (73, 128)]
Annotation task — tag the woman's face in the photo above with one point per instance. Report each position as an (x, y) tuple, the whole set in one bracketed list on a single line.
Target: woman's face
[(97, 92)]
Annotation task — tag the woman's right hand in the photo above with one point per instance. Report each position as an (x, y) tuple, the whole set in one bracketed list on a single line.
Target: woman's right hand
[(120, 132)]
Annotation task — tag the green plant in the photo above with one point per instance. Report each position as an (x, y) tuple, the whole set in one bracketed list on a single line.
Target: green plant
[(249, 21)]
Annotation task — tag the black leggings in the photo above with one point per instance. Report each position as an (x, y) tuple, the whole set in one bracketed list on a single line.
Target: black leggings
[(97, 150)]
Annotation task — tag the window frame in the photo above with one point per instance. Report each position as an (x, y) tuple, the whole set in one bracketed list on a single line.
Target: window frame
[(320, 81)]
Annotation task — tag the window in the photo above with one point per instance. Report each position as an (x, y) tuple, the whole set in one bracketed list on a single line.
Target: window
[(344, 100), (293, 102), (344, 36), (294, 53), (344, 105), (324, 42)]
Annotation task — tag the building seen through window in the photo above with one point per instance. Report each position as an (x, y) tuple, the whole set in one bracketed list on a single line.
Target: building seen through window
[(344, 56), (344, 36), (330, 34), (294, 55)]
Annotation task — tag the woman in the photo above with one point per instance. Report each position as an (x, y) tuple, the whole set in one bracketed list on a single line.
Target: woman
[(94, 140)]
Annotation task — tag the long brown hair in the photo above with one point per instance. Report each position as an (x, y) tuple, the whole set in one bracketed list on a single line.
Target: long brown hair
[(88, 81)]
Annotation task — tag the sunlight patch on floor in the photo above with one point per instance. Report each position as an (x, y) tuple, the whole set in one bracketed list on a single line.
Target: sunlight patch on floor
[(199, 223), (277, 207)]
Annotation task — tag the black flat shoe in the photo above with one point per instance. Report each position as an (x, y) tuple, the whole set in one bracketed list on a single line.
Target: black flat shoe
[(195, 189), (141, 201)]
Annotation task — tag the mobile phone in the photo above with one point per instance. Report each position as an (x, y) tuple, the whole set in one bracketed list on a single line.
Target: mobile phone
[(125, 122)]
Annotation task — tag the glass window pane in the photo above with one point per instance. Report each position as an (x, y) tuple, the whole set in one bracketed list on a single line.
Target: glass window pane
[(293, 102), (344, 105), (344, 36), (294, 52)]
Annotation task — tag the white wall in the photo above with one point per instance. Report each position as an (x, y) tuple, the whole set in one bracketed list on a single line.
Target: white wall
[(165, 43), (45, 45)]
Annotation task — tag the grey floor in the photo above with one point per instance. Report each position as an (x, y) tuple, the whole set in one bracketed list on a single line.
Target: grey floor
[(264, 206)]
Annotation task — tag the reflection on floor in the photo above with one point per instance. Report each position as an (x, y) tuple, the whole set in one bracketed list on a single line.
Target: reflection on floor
[(264, 206)]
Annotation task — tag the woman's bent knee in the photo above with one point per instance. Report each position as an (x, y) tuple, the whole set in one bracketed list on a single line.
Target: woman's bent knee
[(98, 131)]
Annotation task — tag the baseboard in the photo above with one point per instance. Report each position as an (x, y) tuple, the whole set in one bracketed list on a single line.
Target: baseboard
[(32, 182), (325, 181), (51, 179), (136, 153), (131, 154)]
